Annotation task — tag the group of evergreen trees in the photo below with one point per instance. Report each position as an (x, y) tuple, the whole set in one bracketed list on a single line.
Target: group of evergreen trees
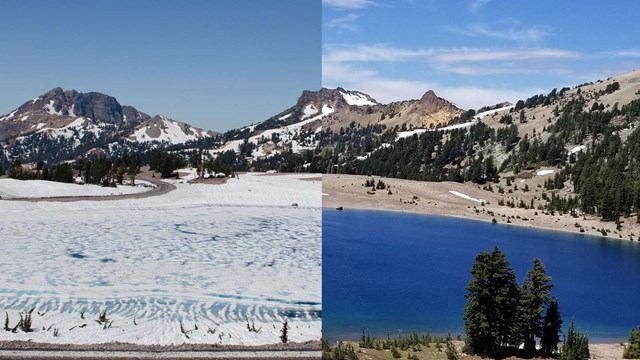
[(60, 172), (500, 314)]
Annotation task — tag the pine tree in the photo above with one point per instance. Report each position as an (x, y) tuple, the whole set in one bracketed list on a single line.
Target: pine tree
[(535, 293), (492, 301), (551, 329)]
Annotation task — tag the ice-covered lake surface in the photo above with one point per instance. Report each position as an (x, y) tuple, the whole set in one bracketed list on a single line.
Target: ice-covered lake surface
[(193, 265)]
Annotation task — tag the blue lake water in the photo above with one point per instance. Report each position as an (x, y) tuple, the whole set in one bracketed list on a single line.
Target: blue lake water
[(394, 273)]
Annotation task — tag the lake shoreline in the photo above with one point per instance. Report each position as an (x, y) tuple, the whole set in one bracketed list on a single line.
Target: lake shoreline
[(446, 199)]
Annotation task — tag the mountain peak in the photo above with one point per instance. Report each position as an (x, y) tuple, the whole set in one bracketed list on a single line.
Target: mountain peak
[(431, 103)]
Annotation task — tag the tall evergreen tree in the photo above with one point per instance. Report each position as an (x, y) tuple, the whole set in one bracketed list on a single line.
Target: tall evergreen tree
[(492, 302), (535, 293), (551, 329)]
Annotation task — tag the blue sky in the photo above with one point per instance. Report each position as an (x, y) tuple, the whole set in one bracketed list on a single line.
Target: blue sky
[(215, 64), (475, 52)]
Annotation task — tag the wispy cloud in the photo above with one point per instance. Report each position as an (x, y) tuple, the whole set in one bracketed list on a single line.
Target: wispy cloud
[(483, 55), (625, 53), (385, 53), (476, 5), (344, 23), (348, 4), (371, 53), (528, 35)]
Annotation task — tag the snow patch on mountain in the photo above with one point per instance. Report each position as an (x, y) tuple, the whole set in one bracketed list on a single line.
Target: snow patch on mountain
[(170, 131), (11, 115), (309, 110), (51, 109), (356, 99), (291, 135)]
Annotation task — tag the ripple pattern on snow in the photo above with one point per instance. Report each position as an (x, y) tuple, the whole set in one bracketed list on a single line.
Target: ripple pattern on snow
[(184, 262)]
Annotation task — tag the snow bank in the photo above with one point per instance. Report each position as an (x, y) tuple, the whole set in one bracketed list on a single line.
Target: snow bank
[(467, 197), (12, 188), (544, 172), (577, 149), (481, 115)]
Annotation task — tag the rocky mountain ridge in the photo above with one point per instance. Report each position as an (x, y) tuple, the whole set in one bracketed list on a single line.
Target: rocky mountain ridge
[(62, 124)]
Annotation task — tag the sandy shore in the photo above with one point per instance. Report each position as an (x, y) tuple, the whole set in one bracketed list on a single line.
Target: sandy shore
[(468, 201), (597, 351)]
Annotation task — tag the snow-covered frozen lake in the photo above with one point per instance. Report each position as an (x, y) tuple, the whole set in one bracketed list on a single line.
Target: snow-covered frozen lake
[(211, 257)]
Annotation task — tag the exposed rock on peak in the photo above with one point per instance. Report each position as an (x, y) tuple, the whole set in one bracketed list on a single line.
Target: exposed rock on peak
[(431, 103)]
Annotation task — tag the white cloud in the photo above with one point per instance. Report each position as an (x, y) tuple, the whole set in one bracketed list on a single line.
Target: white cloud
[(348, 4), (344, 23)]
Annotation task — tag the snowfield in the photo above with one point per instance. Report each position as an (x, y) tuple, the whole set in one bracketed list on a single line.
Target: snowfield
[(190, 266), (18, 189)]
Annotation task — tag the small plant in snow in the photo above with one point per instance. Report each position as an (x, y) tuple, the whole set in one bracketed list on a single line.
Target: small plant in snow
[(56, 332), (6, 322), (25, 321), (252, 327), (185, 331), (102, 319)]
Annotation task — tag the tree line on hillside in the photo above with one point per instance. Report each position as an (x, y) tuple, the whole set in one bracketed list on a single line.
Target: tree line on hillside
[(111, 171), (605, 178), (102, 171)]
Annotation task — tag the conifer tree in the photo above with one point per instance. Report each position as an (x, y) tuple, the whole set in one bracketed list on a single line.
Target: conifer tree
[(551, 329), (492, 301), (535, 294), (284, 336)]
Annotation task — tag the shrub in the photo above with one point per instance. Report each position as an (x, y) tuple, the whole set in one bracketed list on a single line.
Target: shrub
[(340, 352), (632, 349)]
